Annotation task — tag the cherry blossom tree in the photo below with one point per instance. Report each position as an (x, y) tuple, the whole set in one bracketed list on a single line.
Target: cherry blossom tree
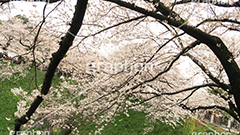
[(167, 54)]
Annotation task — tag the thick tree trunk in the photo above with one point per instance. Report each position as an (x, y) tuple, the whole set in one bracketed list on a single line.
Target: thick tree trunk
[(55, 60)]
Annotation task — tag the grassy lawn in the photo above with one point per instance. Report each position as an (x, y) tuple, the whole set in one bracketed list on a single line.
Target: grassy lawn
[(135, 125), (8, 101)]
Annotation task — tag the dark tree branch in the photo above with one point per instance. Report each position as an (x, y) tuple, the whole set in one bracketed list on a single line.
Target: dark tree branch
[(188, 96), (57, 57), (189, 89), (194, 89), (233, 107), (213, 2), (47, 1), (35, 44), (180, 91), (208, 73), (113, 26), (65, 44), (229, 111), (234, 29), (219, 20)]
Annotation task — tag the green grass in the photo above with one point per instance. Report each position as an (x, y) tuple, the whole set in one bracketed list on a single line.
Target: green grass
[(8, 101), (136, 123)]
